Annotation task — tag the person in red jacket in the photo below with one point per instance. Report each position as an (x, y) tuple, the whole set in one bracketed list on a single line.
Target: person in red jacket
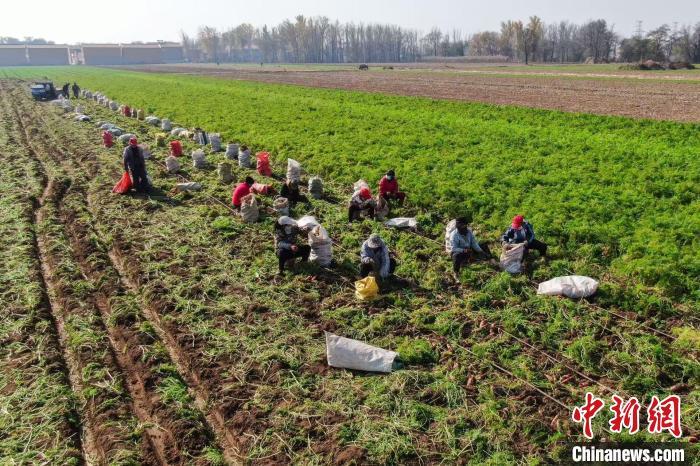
[(389, 188), (243, 189)]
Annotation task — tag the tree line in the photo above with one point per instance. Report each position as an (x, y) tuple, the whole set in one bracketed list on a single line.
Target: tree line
[(320, 40)]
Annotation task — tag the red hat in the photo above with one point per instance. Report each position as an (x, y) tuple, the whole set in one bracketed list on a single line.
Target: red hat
[(518, 221), (133, 142), (365, 194)]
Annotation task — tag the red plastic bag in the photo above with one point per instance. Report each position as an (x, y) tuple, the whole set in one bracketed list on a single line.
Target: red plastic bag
[(124, 184), (264, 163), (259, 188), (175, 148), (107, 139)]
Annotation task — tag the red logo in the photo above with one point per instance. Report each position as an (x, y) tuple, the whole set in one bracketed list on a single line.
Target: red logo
[(662, 415), (625, 415), (587, 412), (665, 415)]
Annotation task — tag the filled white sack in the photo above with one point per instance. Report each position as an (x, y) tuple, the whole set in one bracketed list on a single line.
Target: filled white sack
[(512, 258), (352, 354), (572, 286), (402, 222)]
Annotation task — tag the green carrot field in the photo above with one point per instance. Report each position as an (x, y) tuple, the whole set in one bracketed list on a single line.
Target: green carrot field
[(608, 193), (232, 358)]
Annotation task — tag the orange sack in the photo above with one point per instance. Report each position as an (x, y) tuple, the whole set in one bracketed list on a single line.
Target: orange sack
[(124, 184), (263, 164)]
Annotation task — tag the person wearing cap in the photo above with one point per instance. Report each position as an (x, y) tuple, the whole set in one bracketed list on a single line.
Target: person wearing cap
[(463, 245), (240, 191), (361, 202), (389, 188), (374, 257), (521, 231), (135, 165), (286, 239)]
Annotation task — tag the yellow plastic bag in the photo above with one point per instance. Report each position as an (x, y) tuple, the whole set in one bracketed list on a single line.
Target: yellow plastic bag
[(366, 289)]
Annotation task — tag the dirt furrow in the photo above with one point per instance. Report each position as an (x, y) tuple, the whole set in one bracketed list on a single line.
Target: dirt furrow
[(203, 398), (101, 443), (124, 349)]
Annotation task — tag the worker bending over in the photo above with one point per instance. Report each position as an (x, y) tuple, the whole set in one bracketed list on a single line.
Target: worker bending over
[(286, 242), (290, 190), (463, 247), (240, 191), (375, 258), (521, 231), (361, 203), (135, 165), (389, 188)]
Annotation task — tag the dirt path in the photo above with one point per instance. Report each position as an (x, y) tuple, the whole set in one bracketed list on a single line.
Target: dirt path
[(637, 98)]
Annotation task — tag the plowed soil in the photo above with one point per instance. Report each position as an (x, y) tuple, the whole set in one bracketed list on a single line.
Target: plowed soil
[(656, 96)]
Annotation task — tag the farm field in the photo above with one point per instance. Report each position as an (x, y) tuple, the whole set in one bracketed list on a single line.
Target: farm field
[(598, 89), (166, 332)]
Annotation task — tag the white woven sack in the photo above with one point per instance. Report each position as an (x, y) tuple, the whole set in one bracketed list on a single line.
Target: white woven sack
[(352, 354), (321, 246), (512, 258), (402, 222), (572, 286), (172, 164), (198, 160), (293, 170), (249, 209), (215, 141)]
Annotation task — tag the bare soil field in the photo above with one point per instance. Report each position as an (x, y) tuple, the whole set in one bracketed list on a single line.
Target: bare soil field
[(664, 96)]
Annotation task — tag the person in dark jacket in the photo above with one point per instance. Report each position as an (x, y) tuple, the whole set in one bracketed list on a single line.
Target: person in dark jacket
[(286, 242), (521, 231), (76, 90), (389, 188), (65, 91), (291, 191), (135, 164)]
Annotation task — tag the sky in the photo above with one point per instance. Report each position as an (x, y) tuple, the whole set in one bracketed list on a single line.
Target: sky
[(150, 20)]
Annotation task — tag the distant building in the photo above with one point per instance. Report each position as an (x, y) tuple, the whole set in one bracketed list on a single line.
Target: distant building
[(129, 54), (13, 55), (102, 54), (172, 53), (141, 54), (48, 55)]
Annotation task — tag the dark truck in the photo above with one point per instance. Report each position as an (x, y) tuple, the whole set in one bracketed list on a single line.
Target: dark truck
[(43, 90)]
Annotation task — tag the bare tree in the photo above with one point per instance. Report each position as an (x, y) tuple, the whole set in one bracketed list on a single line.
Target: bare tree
[(209, 39)]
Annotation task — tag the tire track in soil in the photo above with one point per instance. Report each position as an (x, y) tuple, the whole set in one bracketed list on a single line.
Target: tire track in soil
[(85, 445), (126, 350), (88, 443), (95, 449), (202, 395), (215, 416)]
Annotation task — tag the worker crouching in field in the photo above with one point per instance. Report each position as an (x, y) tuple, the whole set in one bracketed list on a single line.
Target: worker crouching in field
[(240, 191), (389, 188), (135, 164), (375, 258), (291, 191), (462, 246), (361, 203), (521, 231), (286, 238)]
